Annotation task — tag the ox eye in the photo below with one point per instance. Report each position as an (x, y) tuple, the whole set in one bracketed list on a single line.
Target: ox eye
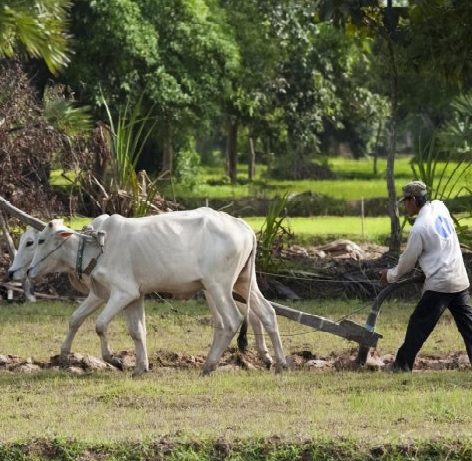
[(40, 241)]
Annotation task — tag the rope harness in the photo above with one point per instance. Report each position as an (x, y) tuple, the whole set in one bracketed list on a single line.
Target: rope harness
[(88, 235), (48, 254)]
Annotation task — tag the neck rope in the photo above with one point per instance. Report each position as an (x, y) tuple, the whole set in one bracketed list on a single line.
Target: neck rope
[(94, 236)]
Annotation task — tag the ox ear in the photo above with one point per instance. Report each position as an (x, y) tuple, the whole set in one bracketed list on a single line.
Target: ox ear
[(65, 233)]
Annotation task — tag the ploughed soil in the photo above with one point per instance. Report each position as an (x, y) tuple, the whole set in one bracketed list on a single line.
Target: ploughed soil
[(232, 360)]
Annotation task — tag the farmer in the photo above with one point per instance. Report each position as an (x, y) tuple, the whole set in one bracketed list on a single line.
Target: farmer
[(433, 243)]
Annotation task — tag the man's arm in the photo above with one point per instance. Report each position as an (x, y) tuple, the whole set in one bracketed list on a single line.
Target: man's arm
[(407, 260)]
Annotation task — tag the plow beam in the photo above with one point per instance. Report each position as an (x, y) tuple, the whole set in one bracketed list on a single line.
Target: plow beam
[(345, 328)]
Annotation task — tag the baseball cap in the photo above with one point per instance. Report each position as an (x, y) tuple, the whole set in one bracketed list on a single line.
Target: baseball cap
[(414, 189)]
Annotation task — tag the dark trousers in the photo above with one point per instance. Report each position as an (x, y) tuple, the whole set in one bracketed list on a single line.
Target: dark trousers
[(425, 317)]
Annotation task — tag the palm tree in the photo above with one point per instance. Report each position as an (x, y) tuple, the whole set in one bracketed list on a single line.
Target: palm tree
[(36, 28)]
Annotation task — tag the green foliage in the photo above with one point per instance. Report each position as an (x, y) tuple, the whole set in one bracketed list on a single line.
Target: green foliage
[(188, 170), (456, 136), (444, 166), (36, 28), (425, 167), (178, 52), (272, 235), (110, 180), (115, 63), (439, 46), (64, 115), (128, 137)]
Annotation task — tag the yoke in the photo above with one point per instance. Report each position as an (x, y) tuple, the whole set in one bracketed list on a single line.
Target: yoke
[(364, 335)]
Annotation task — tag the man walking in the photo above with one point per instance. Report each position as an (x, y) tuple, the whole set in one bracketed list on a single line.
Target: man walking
[(433, 243)]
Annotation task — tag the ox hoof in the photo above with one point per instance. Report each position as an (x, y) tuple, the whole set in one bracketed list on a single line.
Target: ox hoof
[(63, 360), (207, 370), (267, 361), (115, 361), (280, 367), (137, 372)]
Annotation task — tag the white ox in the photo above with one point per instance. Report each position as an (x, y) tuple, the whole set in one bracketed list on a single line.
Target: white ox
[(21, 262), (24, 256), (179, 252), (25, 252)]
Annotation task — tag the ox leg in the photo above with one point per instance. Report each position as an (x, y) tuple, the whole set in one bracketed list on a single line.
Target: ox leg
[(264, 310), (258, 330), (135, 320), (90, 305), (116, 303), (227, 320)]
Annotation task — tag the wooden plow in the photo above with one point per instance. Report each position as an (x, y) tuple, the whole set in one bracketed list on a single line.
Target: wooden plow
[(365, 335)]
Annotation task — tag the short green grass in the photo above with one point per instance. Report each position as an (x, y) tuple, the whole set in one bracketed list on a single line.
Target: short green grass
[(367, 408)]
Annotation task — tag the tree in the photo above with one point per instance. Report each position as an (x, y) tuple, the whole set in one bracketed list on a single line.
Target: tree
[(387, 28), (176, 51), (249, 102), (37, 28), (300, 82), (199, 54), (442, 41), (427, 37), (37, 128)]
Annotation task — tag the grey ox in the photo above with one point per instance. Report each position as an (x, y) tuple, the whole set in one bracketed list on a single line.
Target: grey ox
[(178, 252)]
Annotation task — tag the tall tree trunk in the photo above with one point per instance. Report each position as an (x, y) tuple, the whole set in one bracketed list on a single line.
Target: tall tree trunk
[(251, 166), (377, 148), (232, 149), (167, 156), (395, 230)]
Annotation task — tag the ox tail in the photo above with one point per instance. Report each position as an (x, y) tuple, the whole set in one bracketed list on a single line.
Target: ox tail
[(242, 337), (251, 270)]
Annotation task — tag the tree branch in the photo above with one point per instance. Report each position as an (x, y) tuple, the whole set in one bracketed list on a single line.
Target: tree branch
[(17, 213)]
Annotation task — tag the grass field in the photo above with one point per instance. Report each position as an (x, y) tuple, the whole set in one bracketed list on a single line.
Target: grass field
[(354, 180), (237, 415), (363, 409)]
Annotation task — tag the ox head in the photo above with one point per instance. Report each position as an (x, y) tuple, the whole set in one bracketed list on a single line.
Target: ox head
[(24, 254), (47, 257)]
